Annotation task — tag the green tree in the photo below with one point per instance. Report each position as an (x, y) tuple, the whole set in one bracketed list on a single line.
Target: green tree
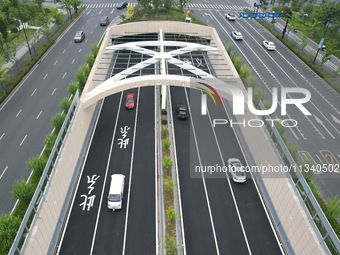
[(75, 4), (4, 78), (67, 5), (182, 4)]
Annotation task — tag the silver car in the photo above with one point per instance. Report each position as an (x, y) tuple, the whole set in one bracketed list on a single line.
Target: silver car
[(80, 36), (236, 170)]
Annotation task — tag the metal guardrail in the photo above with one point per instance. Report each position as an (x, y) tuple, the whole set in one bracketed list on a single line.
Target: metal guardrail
[(328, 238), (43, 185)]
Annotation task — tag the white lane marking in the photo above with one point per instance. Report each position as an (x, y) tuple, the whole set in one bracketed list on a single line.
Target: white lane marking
[(156, 167), (18, 113), (130, 179), (55, 62), (253, 67), (319, 158), (64, 75), (106, 171), (63, 51), (338, 155), (81, 173), (45, 76), (3, 172), (23, 140), (289, 77), (336, 120), (2, 136), (33, 92), (53, 91), (269, 55), (39, 115), (203, 180), (177, 176), (72, 61), (79, 50), (229, 184), (323, 125), (258, 192)]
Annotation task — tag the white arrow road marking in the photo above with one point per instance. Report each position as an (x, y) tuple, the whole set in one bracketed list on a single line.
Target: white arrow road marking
[(335, 119), (208, 15), (323, 125), (305, 155)]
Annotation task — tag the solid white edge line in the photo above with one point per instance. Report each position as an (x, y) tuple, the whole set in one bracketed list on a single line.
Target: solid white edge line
[(106, 171), (177, 176), (258, 192), (231, 189), (203, 180), (130, 179), (156, 167), (75, 192)]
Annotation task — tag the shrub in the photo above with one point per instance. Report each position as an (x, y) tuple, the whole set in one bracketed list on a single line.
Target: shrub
[(170, 245), (58, 120), (258, 95), (229, 48), (166, 144), (9, 226), (164, 130), (171, 214), (37, 164), (294, 151), (49, 142), (167, 163), (23, 191), (65, 104), (168, 186), (73, 87)]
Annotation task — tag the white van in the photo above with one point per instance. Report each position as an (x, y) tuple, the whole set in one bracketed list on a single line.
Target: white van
[(115, 198)]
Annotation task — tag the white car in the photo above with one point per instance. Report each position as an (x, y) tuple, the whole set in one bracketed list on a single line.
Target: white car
[(237, 170), (268, 45), (230, 16), (237, 35)]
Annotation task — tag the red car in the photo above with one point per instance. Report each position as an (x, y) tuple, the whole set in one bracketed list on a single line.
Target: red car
[(130, 102)]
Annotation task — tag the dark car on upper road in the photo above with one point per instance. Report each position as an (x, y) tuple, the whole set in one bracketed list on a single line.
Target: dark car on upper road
[(104, 21), (182, 112), (122, 5)]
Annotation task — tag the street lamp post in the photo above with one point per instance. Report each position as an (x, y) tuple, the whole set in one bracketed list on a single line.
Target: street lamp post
[(23, 27), (285, 28), (320, 46)]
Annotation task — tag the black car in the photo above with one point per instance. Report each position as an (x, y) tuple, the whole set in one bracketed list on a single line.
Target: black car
[(182, 111), (122, 5)]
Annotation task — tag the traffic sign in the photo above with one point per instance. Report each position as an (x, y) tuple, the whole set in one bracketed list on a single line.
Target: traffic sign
[(266, 15), (258, 15), (241, 15), (250, 15), (276, 15)]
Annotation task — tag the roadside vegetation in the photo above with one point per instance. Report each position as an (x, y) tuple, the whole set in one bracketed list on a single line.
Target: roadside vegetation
[(33, 15), (313, 22), (330, 207), (24, 190)]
